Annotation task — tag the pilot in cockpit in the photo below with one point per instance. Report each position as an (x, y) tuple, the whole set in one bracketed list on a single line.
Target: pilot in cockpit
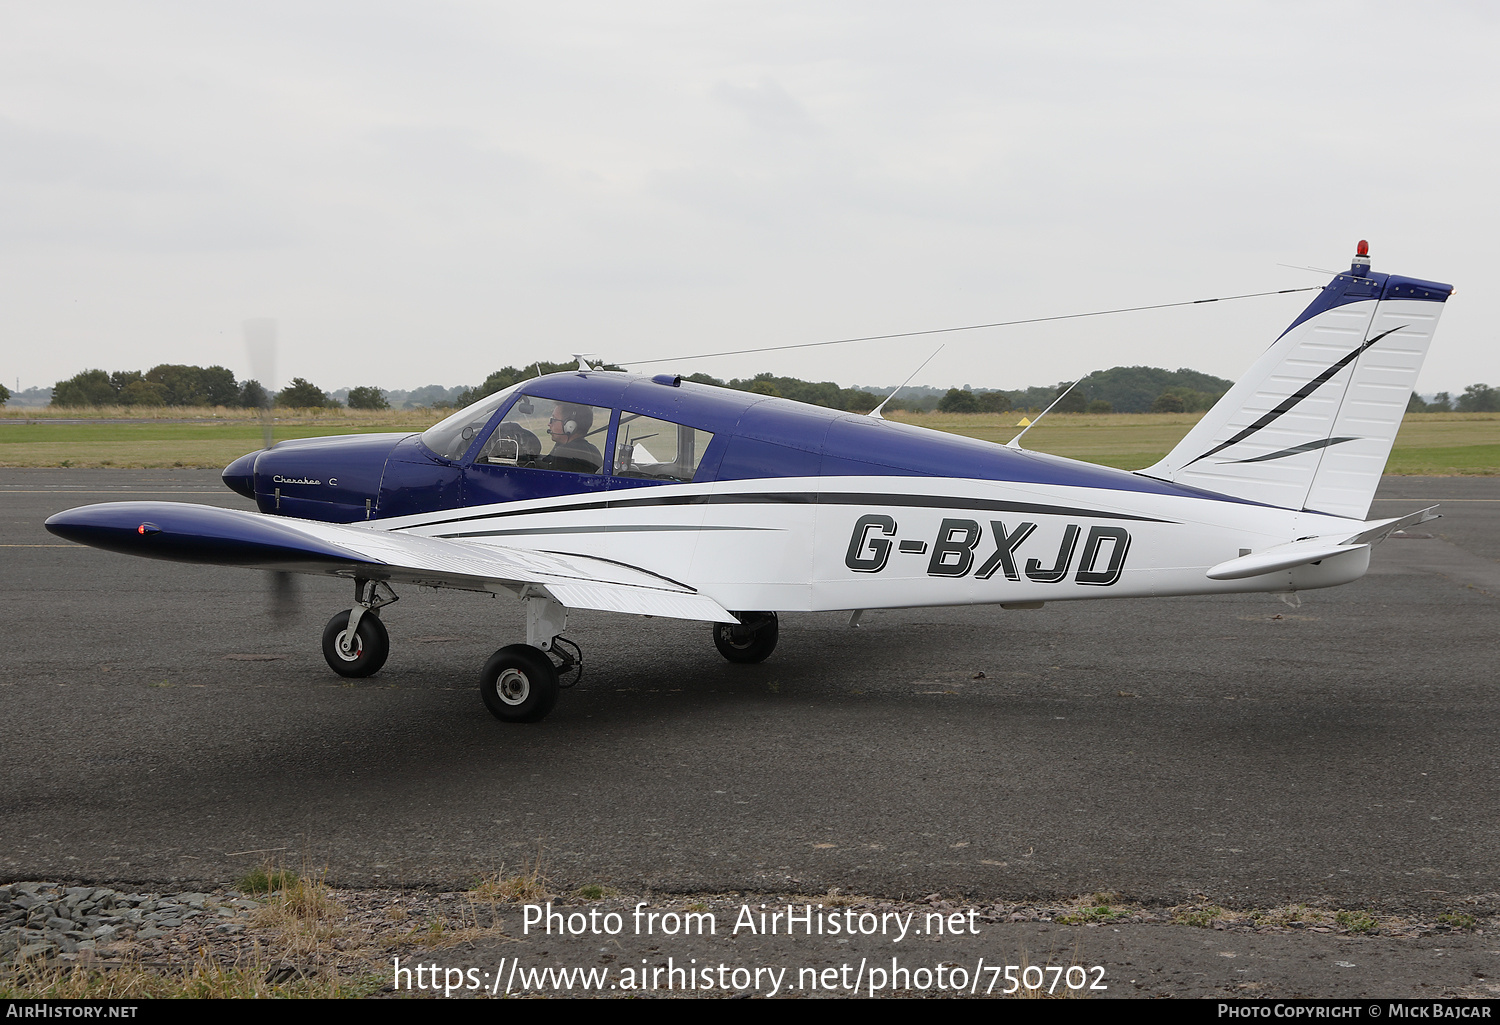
[(571, 449)]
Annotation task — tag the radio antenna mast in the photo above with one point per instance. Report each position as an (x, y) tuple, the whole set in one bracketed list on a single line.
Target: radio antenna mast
[(876, 411)]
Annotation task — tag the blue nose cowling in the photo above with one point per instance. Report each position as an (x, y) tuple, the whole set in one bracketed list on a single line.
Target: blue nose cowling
[(239, 475), (335, 479)]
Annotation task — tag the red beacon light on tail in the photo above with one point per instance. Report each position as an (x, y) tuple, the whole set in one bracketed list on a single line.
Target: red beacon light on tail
[(1361, 265)]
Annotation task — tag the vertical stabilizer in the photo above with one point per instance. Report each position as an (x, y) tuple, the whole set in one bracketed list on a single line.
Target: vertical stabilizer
[(1311, 424)]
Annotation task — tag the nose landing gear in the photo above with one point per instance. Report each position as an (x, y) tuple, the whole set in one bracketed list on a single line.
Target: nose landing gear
[(355, 642)]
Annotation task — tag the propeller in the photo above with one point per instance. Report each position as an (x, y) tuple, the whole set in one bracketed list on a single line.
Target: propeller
[(283, 597), (283, 593), (260, 344)]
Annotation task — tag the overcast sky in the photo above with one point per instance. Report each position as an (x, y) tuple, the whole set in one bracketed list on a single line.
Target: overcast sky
[(423, 193)]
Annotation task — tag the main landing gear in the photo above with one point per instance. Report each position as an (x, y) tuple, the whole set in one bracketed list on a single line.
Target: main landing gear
[(751, 641), (520, 682)]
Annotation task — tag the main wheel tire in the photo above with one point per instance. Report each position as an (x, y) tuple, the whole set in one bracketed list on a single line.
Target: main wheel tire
[(371, 648), (752, 641), (519, 684)]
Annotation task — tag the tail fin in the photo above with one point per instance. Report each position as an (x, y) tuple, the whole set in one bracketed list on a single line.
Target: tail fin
[(1311, 425)]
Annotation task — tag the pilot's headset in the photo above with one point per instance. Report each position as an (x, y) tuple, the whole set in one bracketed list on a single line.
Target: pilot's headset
[(571, 424)]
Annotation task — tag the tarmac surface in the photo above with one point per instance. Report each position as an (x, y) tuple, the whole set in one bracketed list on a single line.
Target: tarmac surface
[(162, 727)]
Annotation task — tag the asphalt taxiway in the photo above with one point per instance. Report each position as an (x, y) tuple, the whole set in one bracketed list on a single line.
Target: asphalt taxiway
[(161, 726)]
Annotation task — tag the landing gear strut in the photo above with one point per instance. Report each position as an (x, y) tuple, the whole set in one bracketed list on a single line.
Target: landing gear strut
[(751, 641), (355, 642)]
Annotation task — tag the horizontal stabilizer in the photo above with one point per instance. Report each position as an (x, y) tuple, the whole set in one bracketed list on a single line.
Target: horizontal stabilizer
[(1288, 556), (1378, 530), (1311, 550)]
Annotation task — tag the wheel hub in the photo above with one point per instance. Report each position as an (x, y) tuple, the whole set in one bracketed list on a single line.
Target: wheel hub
[(513, 687), (347, 653)]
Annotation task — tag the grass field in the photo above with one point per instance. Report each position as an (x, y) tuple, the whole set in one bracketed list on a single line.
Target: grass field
[(1430, 444), (131, 438)]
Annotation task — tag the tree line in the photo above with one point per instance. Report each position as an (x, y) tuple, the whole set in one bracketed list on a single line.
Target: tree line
[(1116, 390), (1477, 398), (1120, 390), (176, 384), (819, 393)]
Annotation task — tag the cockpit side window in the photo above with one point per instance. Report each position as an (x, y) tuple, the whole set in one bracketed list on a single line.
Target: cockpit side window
[(545, 434), (658, 449)]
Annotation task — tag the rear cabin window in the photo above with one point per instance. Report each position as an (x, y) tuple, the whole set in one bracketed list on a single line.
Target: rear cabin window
[(658, 449)]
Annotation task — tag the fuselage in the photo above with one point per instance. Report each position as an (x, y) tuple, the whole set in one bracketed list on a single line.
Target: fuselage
[(770, 504)]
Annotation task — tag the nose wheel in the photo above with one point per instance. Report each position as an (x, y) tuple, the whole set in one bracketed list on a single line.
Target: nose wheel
[(355, 642), (370, 646), (751, 641)]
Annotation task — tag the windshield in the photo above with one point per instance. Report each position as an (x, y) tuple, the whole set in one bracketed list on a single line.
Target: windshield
[(450, 437)]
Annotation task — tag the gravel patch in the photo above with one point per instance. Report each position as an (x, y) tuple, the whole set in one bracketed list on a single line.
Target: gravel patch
[(350, 937)]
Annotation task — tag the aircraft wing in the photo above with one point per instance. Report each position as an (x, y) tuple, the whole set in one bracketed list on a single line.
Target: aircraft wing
[(232, 537)]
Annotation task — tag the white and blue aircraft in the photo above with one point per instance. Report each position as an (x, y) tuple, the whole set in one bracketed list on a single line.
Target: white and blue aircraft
[(655, 496)]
